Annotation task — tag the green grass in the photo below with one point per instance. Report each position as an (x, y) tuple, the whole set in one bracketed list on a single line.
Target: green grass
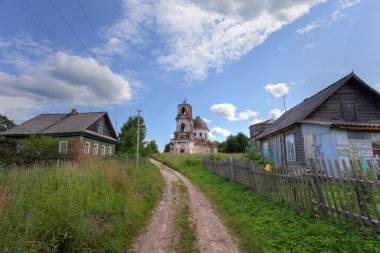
[(184, 236), (93, 207), (262, 225)]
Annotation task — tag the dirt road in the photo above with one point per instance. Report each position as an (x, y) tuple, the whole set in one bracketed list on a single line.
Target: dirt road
[(165, 231)]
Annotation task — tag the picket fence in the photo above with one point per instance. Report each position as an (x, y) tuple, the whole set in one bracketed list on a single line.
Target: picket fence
[(339, 191)]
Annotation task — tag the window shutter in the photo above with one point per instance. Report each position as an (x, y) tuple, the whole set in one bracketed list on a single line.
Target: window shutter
[(348, 111)]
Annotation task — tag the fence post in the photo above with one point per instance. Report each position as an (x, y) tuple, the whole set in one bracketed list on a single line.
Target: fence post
[(318, 193), (231, 170)]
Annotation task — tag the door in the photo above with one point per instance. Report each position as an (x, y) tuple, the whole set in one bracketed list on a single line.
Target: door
[(309, 145), (276, 150)]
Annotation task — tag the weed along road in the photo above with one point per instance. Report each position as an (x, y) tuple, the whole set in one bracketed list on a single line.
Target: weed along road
[(183, 221)]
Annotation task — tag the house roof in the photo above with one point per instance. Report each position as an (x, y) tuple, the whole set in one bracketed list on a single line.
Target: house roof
[(302, 110), (265, 122), (60, 124)]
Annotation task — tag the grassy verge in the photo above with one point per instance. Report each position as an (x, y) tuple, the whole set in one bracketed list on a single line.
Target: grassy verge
[(184, 236), (96, 206), (264, 226)]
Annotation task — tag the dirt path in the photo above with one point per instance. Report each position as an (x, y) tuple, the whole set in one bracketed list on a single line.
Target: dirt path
[(164, 235)]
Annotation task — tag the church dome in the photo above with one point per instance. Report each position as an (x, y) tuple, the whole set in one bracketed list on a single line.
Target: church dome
[(198, 123)]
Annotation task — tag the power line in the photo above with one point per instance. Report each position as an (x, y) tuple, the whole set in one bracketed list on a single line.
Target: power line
[(28, 10), (88, 20), (67, 24)]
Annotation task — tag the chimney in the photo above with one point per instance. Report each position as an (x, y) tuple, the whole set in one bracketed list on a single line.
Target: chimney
[(74, 112)]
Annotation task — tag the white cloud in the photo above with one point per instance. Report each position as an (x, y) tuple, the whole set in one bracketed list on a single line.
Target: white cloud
[(218, 132), (207, 120), (348, 3), (70, 79), (247, 114), (275, 113), (277, 90), (228, 111), (330, 19), (311, 26), (197, 37)]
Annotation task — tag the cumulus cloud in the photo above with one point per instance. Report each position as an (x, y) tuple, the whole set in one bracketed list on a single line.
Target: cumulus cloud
[(207, 120), (196, 36), (277, 90), (228, 111), (275, 113), (217, 132), (70, 79)]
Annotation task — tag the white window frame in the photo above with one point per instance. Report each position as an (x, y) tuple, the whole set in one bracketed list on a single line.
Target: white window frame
[(63, 145), (95, 149), (290, 148), (103, 150), (87, 147), (109, 150), (19, 148)]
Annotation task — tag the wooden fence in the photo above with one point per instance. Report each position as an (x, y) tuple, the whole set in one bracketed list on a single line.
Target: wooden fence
[(339, 191)]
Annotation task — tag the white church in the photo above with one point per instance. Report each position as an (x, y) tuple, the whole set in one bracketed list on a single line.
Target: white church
[(191, 135)]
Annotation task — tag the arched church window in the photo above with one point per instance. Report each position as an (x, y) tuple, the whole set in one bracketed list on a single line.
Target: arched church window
[(200, 134), (195, 134), (183, 127), (183, 110)]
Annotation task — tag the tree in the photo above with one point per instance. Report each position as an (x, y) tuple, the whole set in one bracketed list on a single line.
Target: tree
[(39, 147), (167, 148), (150, 148), (234, 144), (128, 136), (6, 123)]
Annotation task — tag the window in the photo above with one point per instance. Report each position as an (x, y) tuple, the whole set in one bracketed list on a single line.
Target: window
[(265, 149), (183, 127), (200, 134), (376, 150), (87, 147), (103, 150), (290, 148), (359, 135), (63, 147), (348, 111), (183, 111), (195, 134), (109, 150), (95, 151), (19, 148)]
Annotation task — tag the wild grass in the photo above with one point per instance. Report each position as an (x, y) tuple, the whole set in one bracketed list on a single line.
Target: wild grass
[(262, 225), (97, 206)]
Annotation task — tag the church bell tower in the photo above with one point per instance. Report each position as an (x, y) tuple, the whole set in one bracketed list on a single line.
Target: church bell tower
[(183, 136)]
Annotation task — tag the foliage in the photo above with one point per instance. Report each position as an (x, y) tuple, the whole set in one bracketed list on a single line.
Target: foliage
[(97, 206), (253, 154), (8, 152), (128, 136), (39, 148), (6, 123), (167, 148), (264, 226), (150, 148), (234, 144)]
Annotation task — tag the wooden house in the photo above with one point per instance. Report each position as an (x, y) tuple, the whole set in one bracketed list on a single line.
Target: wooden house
[(80, 136), (337, 122)]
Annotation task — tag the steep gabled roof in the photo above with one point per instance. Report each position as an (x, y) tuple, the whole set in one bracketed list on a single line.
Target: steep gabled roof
[(59, 124), (302, 110)]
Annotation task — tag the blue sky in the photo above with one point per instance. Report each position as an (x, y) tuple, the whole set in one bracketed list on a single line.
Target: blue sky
[(232, 60)]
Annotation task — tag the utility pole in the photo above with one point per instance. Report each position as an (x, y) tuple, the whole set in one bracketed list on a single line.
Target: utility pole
[(138, 137), (284, 103)]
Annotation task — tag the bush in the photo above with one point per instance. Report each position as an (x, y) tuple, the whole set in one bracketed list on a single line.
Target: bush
[(253, 154)]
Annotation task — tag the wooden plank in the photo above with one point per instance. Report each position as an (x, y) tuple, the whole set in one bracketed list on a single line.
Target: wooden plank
[(362, 199), (374, 175), (324, 187), (337, 188), (354, 197), (329, 182), (369, 191), (318, 188)]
